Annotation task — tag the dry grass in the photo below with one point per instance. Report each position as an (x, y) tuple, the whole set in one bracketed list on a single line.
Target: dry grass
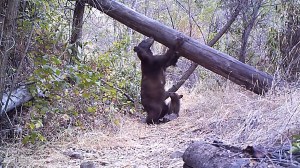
[(230, 114)]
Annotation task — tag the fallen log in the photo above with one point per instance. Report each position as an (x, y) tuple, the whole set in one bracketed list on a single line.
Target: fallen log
[(22, 95), (214, 60), (206, 155), (17, 97)]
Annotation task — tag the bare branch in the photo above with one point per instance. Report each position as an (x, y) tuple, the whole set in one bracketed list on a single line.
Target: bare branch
[(194, 65)]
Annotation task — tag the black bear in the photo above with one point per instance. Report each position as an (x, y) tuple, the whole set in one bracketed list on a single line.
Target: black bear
[(153, 79), (174, 104)]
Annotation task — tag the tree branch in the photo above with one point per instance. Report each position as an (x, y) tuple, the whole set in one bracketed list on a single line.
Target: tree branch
[(194, 65)]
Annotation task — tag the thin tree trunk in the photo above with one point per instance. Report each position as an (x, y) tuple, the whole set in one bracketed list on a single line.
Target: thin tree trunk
[(247, 31), (7, 43), (77, 24), (2, 17)]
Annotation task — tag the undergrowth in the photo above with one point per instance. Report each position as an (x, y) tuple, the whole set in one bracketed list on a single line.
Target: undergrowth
[(87, 94)]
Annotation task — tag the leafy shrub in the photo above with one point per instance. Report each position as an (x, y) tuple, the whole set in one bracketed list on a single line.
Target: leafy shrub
[(79, 94)]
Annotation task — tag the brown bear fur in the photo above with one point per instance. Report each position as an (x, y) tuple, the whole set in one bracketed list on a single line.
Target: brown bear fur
[(153, 79), (174, 104)]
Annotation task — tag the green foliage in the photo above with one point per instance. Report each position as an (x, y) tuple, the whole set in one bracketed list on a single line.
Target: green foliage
[(295, 144), (34, 135), (273, 48), (123, 67), (206, 16), (91, 89)]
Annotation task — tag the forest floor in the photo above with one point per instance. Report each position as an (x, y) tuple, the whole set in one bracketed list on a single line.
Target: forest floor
[(231, 115)]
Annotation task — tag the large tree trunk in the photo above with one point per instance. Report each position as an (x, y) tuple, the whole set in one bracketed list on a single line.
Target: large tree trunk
[(216, 61)]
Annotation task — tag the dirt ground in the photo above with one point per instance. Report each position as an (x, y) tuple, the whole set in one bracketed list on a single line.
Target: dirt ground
[(231, 115)]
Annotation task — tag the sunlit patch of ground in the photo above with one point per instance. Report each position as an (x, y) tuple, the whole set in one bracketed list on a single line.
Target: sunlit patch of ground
[(227, 114)]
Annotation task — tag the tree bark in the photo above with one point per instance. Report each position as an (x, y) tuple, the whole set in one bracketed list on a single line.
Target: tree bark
[(210, 155), (7, 41), (205, 155), (77, 22), (76, 29), (194, 65), (15, 98), (214, 60), (247, 31)]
